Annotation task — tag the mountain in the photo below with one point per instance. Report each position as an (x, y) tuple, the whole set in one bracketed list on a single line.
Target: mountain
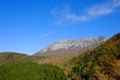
[(76, 44), (101, 63), (60, 52)]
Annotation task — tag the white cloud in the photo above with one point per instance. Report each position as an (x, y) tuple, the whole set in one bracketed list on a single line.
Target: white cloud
[(90, 13), (99, 11)]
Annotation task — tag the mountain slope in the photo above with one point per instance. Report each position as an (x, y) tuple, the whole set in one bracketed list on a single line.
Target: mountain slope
[(102, 63), (62, 51), (13, 57)]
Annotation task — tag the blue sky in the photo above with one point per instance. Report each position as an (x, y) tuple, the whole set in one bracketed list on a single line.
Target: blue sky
[(27, 26)]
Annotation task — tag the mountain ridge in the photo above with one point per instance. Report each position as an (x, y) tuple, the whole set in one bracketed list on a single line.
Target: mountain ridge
[(74, 44)]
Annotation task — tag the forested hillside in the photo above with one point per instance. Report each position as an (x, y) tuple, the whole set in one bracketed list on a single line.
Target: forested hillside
[(15, 66), (102, 63)]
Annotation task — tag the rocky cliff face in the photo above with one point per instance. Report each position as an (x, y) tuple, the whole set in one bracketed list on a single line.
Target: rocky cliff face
[(75, 44)]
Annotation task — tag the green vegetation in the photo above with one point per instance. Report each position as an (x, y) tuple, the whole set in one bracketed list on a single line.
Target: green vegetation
[(102, 63), (16, 66), (30, 71)]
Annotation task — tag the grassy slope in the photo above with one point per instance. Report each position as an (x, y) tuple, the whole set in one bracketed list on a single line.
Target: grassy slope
[(58, 59), (102, 63)]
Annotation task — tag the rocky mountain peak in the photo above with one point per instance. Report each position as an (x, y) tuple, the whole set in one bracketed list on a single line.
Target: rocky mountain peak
[(73, 44)]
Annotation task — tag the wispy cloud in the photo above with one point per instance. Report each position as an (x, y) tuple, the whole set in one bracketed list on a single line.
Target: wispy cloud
[(61, 15), (46, 34), (92, 12)]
